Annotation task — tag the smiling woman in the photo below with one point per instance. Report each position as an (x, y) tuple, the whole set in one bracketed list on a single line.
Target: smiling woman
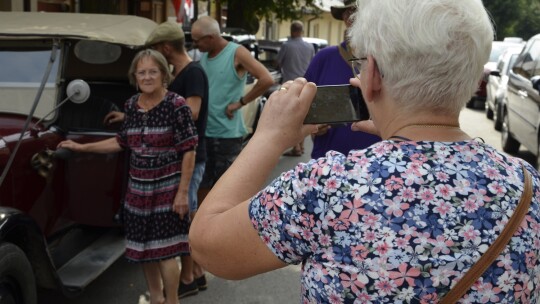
[(161, 136)]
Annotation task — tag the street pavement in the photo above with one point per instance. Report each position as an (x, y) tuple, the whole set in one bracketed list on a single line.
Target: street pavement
[(124, 282)]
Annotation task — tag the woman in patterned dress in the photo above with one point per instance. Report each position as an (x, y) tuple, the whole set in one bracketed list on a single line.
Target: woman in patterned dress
[(402, 220), (159, 132)]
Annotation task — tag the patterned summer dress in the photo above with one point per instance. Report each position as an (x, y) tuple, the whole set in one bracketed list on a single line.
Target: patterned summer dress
[(157, 140), (402, 223)]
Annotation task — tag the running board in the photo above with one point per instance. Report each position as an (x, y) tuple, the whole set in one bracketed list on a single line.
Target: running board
[(91, 262)]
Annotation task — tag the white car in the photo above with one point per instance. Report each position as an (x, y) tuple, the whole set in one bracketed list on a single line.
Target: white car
[(497, 84)]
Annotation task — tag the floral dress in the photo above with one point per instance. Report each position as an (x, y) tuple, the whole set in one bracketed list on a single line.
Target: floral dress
[(157, 140), (401, 222)]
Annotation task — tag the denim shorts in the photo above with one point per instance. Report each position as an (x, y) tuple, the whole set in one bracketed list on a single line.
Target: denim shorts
[(196, 179)]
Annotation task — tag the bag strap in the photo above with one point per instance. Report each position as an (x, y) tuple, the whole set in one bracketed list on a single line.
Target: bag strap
[(495, 249), (345, 53)]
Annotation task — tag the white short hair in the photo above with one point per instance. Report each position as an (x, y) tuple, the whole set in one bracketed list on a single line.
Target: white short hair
[(431, 52), (208, 25)]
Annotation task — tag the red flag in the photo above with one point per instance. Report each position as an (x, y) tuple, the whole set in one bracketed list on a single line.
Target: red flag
[(179, 10)]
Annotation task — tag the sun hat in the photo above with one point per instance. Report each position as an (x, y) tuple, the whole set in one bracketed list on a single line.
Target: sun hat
[(167, 31), (337, 11)]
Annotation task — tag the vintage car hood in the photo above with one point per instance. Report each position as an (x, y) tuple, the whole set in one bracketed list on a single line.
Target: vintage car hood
[(125, 30)]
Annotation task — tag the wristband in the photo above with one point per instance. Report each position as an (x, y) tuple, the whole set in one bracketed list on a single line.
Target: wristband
[(242, 101)]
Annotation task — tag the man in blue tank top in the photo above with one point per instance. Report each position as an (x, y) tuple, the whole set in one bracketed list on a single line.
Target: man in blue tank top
[(227, 65)]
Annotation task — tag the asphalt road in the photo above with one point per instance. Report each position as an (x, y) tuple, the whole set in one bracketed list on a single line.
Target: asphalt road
[(124, 282)]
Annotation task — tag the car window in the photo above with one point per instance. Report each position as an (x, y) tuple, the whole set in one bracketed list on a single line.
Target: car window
[(496, 51), (20, 78), (530, 61), (511, 62), (500, 64)]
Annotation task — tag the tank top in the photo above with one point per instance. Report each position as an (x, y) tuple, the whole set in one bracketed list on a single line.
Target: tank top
[(225, 87)]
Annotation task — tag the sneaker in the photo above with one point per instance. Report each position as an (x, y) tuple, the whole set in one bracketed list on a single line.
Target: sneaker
[(186, 290), (201, 283)]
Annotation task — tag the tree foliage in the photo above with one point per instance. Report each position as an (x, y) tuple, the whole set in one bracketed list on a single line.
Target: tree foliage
[(511, 18), (516, 18), (246, 14)]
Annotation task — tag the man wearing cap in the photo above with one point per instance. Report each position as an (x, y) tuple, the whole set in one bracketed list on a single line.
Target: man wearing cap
[(330, 66), (227, 65), (191, 83)]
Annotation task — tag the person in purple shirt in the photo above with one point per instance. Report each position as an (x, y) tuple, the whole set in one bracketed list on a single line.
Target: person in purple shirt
[(330, 67)]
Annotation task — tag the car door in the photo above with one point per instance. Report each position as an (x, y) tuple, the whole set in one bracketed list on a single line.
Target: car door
[(95, 183), (523, 99)]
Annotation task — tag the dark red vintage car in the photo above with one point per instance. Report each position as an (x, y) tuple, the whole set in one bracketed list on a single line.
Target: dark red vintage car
[(60, 74)]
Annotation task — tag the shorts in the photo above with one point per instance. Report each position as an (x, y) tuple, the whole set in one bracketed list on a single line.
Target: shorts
[(220, 154), (196, 178)]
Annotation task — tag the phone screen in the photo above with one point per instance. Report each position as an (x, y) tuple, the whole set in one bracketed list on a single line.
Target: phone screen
[(337, 104)]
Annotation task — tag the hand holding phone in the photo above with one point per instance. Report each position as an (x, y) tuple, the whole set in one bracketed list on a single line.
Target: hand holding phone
[(335, 104)]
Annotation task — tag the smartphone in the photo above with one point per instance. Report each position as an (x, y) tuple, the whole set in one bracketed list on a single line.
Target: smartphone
[(335, 104)]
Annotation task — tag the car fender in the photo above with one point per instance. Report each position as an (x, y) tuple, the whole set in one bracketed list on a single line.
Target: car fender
[(20, 230)]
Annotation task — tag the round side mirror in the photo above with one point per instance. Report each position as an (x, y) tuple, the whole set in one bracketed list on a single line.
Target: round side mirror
[(78, 91)]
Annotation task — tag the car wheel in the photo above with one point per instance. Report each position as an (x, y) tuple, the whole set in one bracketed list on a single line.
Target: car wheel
[(509, 143), (497, 122), (489, 111), (17, 284), (470, 103)]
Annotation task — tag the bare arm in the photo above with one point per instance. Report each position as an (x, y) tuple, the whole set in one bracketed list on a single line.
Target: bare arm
[(194, 104), (105, 146), (222, 230), (257, 70), (180, 204), (245, 62)]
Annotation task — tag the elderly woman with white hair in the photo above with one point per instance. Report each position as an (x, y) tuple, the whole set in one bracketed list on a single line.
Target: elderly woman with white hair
[(427, 215)]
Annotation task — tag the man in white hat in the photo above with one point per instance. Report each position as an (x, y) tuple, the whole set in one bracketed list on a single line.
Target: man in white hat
[(331, 66)]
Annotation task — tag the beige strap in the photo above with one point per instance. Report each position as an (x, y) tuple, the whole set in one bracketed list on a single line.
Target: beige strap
[(495, 249), (345, 53)]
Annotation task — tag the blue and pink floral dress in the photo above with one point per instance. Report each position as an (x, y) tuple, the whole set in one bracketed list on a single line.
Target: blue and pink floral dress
[(401, 222)]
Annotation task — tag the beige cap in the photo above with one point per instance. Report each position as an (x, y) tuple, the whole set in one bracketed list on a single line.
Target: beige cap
[(167, 31), (337, 11)]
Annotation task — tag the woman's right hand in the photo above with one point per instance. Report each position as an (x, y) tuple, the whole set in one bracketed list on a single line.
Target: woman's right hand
[(281, 121), (71, 145)]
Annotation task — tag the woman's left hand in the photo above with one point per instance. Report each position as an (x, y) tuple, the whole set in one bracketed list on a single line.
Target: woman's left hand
[(180, 204)]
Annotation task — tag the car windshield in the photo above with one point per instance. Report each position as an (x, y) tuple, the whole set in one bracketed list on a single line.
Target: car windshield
[(20, 77), (496, 51)]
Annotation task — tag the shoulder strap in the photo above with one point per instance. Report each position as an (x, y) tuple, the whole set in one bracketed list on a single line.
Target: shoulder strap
[(495, 249), (345, 54)]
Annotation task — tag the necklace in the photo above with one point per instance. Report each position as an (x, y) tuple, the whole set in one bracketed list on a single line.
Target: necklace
[(442, 126), (149, 103)]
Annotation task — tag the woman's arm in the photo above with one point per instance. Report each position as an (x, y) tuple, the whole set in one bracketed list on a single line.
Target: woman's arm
[(105, 146), (222, 237), (181, 201)]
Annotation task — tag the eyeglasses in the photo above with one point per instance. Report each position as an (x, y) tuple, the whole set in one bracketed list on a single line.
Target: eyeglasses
[(151, 73), (197, 40), (356, 65)]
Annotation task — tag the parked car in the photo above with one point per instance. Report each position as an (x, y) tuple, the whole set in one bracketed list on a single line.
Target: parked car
[(498, 47), (521, 112), (496, 85), (60, 75), (268, 51), (318, 43)]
